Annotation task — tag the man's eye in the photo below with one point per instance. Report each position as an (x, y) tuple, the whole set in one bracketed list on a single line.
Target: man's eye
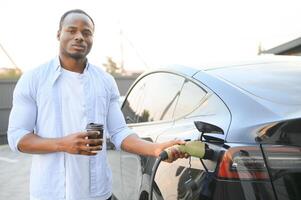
[(72, 31), (87, 34)]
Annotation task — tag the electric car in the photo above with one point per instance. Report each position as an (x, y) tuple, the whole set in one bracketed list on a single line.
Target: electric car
[(248, 113)]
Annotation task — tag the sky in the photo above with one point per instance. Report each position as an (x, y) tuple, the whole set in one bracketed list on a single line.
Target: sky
[(150, 32)]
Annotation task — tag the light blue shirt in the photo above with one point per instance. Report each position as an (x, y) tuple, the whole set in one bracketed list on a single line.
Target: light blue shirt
[(37, 108)]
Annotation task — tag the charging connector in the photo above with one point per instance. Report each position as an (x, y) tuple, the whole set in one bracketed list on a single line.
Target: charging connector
[(193, 148)]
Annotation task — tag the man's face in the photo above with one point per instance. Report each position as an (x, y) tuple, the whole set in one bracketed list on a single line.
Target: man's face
[(76, 36)]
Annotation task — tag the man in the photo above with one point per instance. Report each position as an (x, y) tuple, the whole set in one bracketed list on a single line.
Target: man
[(51, 107)]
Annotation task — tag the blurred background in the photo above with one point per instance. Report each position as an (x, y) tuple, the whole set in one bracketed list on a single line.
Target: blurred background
[(133, 36), (140, 34)]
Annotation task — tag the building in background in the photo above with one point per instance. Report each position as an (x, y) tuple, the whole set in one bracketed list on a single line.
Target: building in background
[(9, 74), (292, 48)]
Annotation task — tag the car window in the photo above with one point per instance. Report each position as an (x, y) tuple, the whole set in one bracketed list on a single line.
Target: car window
[(153, 98), (190, 98), (130, 108)]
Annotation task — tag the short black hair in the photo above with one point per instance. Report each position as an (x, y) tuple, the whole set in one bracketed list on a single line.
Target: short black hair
[(79, 11)]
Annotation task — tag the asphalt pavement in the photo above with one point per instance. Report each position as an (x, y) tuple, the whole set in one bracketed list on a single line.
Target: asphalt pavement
[(14, 174)]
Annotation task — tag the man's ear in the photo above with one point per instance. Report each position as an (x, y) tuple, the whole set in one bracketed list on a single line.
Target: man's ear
[(58, 35)]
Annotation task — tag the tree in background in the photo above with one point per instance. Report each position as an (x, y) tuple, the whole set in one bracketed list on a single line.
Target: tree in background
[(10, 73), (112, 67), (13, 72)]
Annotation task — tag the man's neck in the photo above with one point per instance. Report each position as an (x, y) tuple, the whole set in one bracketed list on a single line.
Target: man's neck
[(74, 65)]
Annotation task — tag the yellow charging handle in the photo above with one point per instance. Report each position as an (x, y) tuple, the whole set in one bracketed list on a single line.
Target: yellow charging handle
[(193, 148)]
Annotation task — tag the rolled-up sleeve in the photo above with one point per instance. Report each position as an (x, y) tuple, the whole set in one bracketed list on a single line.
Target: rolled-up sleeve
[(117, 127), (22, 117)]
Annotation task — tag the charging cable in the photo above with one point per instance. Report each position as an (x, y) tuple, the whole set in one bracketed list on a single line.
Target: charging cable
[(193, 148)]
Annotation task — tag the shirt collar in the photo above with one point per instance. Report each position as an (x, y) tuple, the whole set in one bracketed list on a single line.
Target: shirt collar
[(56, 65)]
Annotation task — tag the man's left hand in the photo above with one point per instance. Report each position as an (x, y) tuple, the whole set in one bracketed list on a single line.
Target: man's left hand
[(171, 147)]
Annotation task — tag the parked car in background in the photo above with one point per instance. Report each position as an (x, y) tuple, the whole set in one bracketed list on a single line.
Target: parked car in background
[(257, 108)]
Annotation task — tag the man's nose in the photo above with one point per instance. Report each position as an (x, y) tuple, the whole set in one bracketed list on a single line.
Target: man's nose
[(79, 36)]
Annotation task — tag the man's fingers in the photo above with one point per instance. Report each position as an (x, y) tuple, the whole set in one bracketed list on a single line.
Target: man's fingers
[(87, 153), (186, 155), (178, 141), (94, 142), (82, 134), (95, 148), (91, 148), (174, 154), (90, 134), (181, 155)]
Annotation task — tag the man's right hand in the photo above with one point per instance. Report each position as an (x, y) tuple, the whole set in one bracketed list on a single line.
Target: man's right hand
[(78, 143)]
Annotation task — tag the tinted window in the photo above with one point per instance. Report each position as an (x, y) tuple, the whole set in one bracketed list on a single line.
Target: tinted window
[(285, 133), (153, 98), (190, 98), (130, 107)]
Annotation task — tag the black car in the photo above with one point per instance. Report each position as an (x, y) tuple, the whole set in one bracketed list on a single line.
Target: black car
[(256, 108)]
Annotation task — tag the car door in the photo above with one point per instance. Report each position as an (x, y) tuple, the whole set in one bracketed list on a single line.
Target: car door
[(148, 110), (185, 178)]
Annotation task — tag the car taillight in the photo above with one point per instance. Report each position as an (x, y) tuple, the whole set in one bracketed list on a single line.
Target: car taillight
[(244, 162)]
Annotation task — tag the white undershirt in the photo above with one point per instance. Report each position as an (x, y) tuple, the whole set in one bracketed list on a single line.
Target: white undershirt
[(74, 119)]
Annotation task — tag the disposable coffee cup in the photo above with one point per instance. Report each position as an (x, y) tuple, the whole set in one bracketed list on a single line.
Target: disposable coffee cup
[(94, 127)]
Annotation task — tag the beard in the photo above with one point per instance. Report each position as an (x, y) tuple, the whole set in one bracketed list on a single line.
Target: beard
[(77, 56)]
